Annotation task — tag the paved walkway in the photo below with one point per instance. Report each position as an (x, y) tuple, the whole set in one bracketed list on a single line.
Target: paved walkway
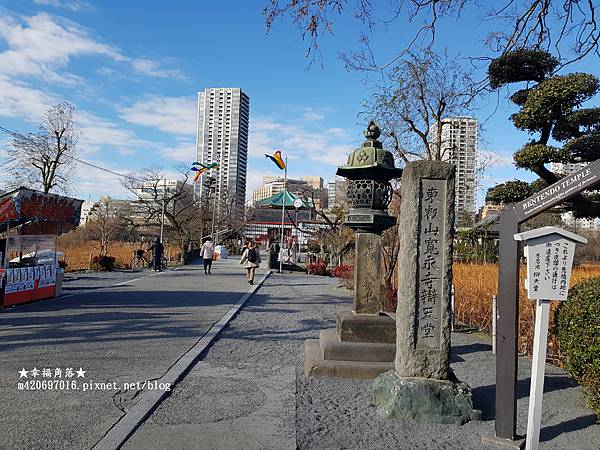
[(121, 334), (249, 391)]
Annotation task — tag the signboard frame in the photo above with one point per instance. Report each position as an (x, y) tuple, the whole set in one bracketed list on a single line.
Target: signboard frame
[(508, 287)]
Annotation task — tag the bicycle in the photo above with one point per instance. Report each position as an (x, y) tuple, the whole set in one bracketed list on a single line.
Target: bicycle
[(139, 261)]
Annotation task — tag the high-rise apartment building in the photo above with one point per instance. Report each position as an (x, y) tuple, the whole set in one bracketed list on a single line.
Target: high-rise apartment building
[(459, 146), (222, 136)]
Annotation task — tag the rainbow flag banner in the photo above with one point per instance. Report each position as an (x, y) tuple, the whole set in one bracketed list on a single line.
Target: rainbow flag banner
[(277, 159)]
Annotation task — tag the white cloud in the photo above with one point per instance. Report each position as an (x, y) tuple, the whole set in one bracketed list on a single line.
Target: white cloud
[(184, 151), (41, 45), (152, 68), (73, 5), (312, 116), (19, 100), (175, 115), (96, 183), (298, 142), (496, 158), (97, 132)]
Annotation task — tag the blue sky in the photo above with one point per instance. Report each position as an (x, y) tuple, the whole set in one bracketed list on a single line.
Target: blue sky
[(132, 69)]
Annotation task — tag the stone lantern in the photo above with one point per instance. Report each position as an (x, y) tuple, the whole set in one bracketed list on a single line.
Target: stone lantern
[(363, 343), (369, 171)]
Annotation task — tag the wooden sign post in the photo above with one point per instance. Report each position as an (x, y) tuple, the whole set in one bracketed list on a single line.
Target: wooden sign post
[(508, 292), (549, 252)]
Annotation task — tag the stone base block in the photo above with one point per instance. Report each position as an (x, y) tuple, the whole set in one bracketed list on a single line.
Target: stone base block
[(514, 444), (333, 349), (423, 399), (315, 365), (365, 328)]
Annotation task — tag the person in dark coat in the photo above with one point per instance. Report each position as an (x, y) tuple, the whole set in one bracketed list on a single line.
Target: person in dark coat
[(157, 251)]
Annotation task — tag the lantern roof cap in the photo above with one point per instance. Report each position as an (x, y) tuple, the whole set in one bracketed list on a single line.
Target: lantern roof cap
[(371, 160), (546, 231)]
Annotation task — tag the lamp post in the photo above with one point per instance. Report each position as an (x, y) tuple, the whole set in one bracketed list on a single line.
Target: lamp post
[(162, 219)]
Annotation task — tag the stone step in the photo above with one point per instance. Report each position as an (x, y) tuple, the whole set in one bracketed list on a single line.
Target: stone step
[(314, 365), (365, 327), (333, 349)]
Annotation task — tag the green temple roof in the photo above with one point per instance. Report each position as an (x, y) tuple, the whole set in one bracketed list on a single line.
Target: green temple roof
[(276, 200)]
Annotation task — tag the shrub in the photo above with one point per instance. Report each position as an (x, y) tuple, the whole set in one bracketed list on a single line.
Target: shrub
[(578, 326), (105, 263), (318, 268), (345, 271)]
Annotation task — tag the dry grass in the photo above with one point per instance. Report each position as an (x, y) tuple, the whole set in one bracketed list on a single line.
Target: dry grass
[(78, 254), (476, 283)]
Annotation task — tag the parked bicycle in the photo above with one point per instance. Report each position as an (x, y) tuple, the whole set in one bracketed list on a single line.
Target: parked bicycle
[(139, 261)]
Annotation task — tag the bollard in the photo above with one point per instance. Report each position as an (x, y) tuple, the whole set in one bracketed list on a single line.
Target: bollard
[(494, 317)]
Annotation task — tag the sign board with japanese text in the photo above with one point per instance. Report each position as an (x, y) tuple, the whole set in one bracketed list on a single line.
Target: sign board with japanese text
[(549, 252)]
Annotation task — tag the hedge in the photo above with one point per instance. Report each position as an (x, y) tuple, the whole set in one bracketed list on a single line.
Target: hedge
[(578, 330)]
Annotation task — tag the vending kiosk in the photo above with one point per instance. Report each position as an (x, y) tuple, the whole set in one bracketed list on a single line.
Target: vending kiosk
[(30, 222)]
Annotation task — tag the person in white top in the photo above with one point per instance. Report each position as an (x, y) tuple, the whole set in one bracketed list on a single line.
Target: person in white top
[(207, 254)]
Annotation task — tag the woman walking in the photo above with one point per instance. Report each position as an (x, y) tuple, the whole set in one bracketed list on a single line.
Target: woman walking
[(251, 260), (207, 255)]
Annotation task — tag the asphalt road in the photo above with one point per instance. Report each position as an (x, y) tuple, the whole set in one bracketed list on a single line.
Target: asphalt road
[(124, 329)]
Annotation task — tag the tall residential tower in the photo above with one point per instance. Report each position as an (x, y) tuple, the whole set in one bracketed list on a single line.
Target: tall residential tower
[(459, 146), (222, 136)]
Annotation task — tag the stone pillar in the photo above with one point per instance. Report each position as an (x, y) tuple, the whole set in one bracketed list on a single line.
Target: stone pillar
[(426, 227), (367, 280), (422, 387)]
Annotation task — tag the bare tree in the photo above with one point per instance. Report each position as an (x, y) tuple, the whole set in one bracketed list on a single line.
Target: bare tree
[(44, 160), (106, 225), (569, 26), (182, 211), (414, 99), (230, 218)]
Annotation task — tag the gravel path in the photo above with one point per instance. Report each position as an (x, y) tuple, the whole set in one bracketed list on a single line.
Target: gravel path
[(252, 379)]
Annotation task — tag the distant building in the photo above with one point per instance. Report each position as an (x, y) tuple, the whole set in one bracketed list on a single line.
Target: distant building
[(566, 168), (307, 187), (90, 209), (582, 223), (336, 192), (490, 209), (222, 136), (459, 146)]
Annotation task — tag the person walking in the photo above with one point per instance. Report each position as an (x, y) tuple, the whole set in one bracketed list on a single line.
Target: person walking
[(250, 260), (157, 251), (207, 251)]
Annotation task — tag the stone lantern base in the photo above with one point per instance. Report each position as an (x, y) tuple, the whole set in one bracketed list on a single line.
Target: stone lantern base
[(361, 346)]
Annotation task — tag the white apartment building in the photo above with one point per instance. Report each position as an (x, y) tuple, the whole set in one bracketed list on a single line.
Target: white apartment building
[(459, 146), (581, 223), (222, 136), (336, 192)]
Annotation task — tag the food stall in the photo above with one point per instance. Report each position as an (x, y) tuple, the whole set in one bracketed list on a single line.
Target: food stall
[(30, 222)]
